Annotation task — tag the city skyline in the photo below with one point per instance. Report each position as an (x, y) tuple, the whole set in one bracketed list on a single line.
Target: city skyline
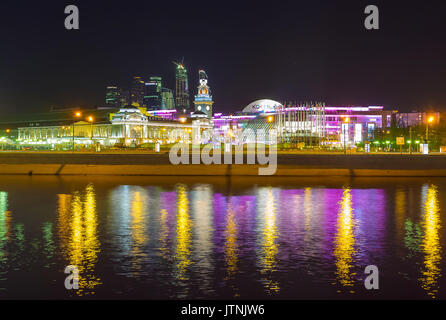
[(253, 52), (215, 159)]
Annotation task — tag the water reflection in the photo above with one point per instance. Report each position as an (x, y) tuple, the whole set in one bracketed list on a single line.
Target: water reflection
[(345, 241), (307, 214), (164, 234), (4, 221), (78, 231), (5, 227), (400, 212), (231, 249), (48, 243), (166, 220), (138, 226), (201, 208), (269, 245), (184, 235), (413, 237), (431, 242), (202, 241)]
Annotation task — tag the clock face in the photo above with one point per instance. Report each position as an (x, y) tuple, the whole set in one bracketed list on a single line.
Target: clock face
[(199, 108), (207, 108)]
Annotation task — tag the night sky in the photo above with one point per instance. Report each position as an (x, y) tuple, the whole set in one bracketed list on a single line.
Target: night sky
[(296, 50)]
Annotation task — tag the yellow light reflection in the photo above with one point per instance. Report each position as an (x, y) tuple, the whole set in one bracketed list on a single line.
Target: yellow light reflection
[(400, 212), (138, 228), (79, 236), (270, 248), (431, 243), (345, 241), (184, 235), (63, 209), (231, 246)]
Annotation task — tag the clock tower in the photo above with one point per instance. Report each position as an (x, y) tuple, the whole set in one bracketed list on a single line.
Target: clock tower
[(203, 100)]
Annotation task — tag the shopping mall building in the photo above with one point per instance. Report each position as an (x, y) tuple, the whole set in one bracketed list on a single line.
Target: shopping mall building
[(309, 124)]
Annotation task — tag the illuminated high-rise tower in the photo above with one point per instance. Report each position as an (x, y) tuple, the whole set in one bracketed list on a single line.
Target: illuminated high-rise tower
[(203, 100), (181, 89), (168, 102), (113, 96), (152, 94), (137, 91)]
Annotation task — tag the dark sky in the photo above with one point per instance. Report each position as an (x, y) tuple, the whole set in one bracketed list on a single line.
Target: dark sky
[(284, 50)]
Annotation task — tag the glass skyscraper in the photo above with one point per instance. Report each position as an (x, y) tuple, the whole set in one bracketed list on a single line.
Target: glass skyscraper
[(112, 96), (152, 94), (182, 89), (137, 91)]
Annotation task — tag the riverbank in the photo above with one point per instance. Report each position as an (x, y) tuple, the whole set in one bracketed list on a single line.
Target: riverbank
[(288, 164)]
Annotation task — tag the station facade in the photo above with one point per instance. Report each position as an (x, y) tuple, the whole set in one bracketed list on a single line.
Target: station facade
[(125, 127)]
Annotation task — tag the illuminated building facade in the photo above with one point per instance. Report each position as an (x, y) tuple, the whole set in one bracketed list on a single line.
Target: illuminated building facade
[(295, 124), (181, 89), (411, 119), (203, 100), (352, 125), (127, 126), (310, 124)]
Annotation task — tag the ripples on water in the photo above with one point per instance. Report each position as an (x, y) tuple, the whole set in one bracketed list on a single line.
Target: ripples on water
[(220, 240)]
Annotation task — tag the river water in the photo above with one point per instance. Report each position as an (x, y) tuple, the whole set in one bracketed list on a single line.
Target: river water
[(247, 238)]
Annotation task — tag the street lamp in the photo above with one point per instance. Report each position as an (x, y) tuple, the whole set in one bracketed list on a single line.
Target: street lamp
[(91, 120), (430, 120), (77, 115)]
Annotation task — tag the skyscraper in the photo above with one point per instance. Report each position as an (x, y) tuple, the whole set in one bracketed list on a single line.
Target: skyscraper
[(181, 89), (125, 98), (137, 91), (112, 96), (203, 100), (168, 102), (152, 94)]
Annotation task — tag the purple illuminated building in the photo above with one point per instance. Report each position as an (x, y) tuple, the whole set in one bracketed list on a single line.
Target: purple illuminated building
[(310, 123)]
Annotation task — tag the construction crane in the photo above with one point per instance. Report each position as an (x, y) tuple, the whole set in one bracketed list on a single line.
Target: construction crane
[(179, 64)]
